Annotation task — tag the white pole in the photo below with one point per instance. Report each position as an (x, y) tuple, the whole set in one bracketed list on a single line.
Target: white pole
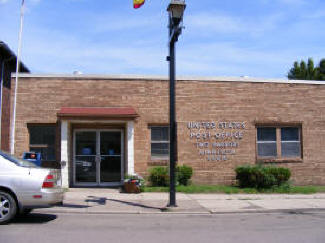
[(13, 122)]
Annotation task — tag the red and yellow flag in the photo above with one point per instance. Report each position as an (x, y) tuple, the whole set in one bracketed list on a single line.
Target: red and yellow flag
[(138, 3)]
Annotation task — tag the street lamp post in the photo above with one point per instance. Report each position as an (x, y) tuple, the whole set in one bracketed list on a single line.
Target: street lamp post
[(176, 10)]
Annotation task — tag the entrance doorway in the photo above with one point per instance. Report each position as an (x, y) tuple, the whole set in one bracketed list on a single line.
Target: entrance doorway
[(98, 157)]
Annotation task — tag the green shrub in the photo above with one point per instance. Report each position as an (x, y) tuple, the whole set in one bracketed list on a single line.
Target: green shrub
[(184, 174), (158, 176), (261, 177)]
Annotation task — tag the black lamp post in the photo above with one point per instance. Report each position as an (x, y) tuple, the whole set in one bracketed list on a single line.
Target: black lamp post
[(176, 10)]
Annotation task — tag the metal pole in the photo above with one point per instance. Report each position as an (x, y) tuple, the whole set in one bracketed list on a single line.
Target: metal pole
[(13, 123), (172, 119)]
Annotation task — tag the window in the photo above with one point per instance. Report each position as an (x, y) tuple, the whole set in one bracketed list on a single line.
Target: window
[(160, 142), (42, 140), (290, 142), (266, 142), (278, 142)]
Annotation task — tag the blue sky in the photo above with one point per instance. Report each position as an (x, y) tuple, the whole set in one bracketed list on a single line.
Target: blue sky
[(257, 38)]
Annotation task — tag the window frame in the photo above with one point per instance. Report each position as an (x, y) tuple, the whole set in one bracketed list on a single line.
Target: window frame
[(162, 157), (279, 157), (44, 145)]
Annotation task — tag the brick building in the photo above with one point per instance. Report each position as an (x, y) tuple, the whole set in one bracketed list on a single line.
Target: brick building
[(103, 127), (7, 65)]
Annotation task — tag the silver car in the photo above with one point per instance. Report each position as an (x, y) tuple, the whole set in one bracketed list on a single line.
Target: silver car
[(25, 186)]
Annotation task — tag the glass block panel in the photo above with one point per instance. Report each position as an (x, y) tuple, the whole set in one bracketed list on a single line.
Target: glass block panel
[(159, 149), (290, 149), (266, 134), (290, 134), (159, 134), (267, 149)]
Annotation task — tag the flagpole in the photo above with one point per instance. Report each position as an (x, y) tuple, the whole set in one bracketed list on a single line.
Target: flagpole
[(13, 123)]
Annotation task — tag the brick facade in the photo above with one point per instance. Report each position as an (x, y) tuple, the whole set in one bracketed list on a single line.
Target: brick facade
[(5, 119), (244, 102)]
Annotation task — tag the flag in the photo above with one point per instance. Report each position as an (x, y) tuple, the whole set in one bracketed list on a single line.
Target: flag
[(138, 3)]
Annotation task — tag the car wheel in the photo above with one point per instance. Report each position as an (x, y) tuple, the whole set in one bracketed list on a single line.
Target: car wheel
[(8, 207)]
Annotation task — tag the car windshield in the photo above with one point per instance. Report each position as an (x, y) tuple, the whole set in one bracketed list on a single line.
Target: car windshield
[(19, 162)]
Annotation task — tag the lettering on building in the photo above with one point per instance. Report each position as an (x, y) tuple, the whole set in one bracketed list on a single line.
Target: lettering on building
[(216, 141)]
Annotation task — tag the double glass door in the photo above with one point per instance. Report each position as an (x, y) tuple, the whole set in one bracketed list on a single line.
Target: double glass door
[(98, 157)]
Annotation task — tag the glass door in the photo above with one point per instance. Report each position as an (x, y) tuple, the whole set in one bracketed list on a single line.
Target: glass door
[(85, 157), (111, 156), (98, 157)]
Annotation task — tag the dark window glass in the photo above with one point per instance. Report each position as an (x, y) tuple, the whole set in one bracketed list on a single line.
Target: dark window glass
[(159, 149), (266, 142), (290, 149), (290, 142), (159, 142), (86, 143), (42, 135), (266, 134), (110, 143), (290, 134), (42, 140), (267, 149), (159, 134)]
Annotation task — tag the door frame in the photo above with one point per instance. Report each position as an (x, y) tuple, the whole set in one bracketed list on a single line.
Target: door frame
[(97, 183)]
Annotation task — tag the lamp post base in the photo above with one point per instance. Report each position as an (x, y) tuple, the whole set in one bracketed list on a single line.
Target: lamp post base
[(171, 206)]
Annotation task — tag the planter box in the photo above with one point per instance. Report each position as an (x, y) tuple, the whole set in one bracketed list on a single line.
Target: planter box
[(132, 186)]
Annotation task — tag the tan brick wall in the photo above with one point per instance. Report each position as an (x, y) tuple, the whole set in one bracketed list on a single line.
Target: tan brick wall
[(39, 100)]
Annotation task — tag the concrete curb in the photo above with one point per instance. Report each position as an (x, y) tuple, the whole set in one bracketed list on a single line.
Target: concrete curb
[(210, 212)]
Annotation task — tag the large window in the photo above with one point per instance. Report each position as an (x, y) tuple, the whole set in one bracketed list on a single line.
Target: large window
[(42, 140), (278, 142), (159, 142)]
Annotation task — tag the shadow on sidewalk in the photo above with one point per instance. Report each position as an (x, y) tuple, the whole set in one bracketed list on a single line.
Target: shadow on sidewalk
[(135, 204), (103, 200)]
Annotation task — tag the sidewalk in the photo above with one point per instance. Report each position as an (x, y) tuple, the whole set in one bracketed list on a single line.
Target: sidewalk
[(105, 201)]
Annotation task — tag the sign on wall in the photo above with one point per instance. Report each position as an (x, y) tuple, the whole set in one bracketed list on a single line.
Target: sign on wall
[(216, 141)]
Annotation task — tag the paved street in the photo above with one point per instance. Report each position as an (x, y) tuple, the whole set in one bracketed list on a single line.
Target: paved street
[(252, 227)]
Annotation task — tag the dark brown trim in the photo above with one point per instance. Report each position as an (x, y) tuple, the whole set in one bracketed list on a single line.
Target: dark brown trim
[(41, 124), (280, 160), (158, 163), (158, 124), (98, 126)]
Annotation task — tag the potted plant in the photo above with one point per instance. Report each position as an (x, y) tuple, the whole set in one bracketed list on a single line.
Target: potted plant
[(133, 183)]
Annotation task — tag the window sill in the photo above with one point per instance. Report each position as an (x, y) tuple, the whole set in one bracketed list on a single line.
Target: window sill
[(279, 160), (158, 162)]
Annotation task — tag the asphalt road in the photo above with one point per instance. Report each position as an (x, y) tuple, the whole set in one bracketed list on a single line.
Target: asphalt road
[(78, 228)]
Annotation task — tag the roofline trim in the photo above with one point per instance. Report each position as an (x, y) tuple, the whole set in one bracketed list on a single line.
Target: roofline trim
[(128, 77)]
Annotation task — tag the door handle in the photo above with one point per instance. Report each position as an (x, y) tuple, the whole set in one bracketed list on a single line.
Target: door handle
[(98, 159)]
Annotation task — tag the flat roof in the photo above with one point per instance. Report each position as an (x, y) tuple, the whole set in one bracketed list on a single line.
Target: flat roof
[(128, 77)]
